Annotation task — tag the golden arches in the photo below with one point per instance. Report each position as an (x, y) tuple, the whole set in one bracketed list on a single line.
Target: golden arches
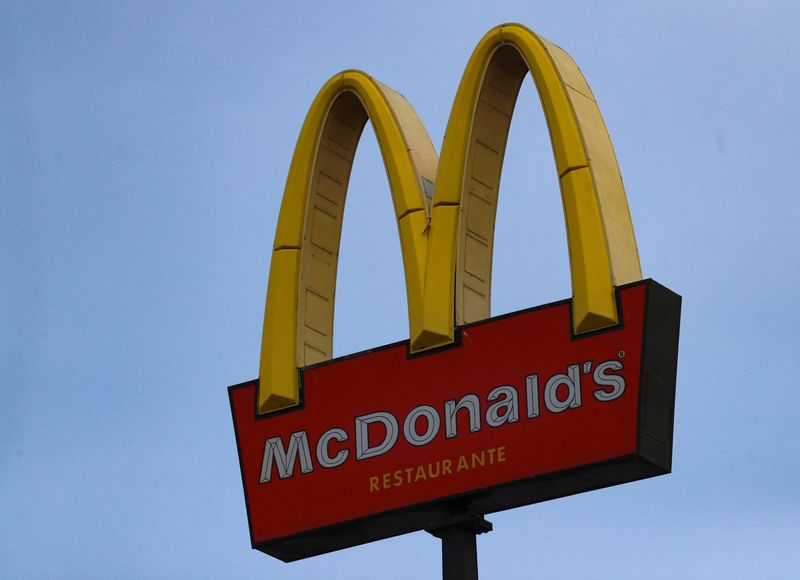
[(298, 322), (447, 257), (602, 246)]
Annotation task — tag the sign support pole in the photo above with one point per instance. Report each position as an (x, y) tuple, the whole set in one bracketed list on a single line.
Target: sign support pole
[(459, 546)]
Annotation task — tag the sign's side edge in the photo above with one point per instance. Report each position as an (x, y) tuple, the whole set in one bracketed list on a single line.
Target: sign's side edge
[(659, 375)]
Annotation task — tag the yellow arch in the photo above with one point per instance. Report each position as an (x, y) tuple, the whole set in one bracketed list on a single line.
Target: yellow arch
[(298, 321), (448, 277), (602, 246)]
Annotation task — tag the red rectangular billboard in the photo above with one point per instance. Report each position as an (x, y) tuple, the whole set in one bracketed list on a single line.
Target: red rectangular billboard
[(519, 410)]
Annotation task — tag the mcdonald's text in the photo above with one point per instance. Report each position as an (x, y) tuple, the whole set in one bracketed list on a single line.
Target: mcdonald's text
[(377, 433)]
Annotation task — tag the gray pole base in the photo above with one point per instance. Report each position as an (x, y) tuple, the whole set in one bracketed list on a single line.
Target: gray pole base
[(459, 548)]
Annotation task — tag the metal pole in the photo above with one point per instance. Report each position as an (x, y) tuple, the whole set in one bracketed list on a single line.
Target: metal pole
[(459, 546)]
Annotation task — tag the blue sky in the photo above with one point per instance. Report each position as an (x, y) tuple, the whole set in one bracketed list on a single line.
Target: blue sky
[(143, 149)]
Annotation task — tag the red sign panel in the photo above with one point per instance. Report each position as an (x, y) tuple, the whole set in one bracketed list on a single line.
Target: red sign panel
[(518, 411)]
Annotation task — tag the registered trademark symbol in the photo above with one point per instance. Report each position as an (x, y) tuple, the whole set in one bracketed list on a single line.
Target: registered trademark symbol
[(621, 354)]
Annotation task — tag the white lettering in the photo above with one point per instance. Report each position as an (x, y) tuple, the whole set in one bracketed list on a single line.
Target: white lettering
[(572, 380), (363, 449), (285, 459), (532, 392), (473, 407), (323, 458), (410, 425), (509, 406), (616, 382)]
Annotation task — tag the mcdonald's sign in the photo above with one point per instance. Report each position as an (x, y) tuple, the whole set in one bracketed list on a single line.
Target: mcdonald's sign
[(472, 414)]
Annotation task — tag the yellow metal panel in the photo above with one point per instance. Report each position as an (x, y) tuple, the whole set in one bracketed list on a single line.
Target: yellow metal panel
[(298, 321), (413, 226), (289, 231), (569, 71), (492, 121), (565, 135), (613, 203), (501, 82), (486, 163), (612, 200), (473, 301), (313, 356), (404, 179), (600, 234), (437, 328), (318, 318), (418, 142), (593, 304), (479, 216), (474, 280), (325, 230), (278, 338), (409, 156)]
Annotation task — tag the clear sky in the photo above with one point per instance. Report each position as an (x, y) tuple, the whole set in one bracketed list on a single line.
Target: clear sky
[(143, 152)]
